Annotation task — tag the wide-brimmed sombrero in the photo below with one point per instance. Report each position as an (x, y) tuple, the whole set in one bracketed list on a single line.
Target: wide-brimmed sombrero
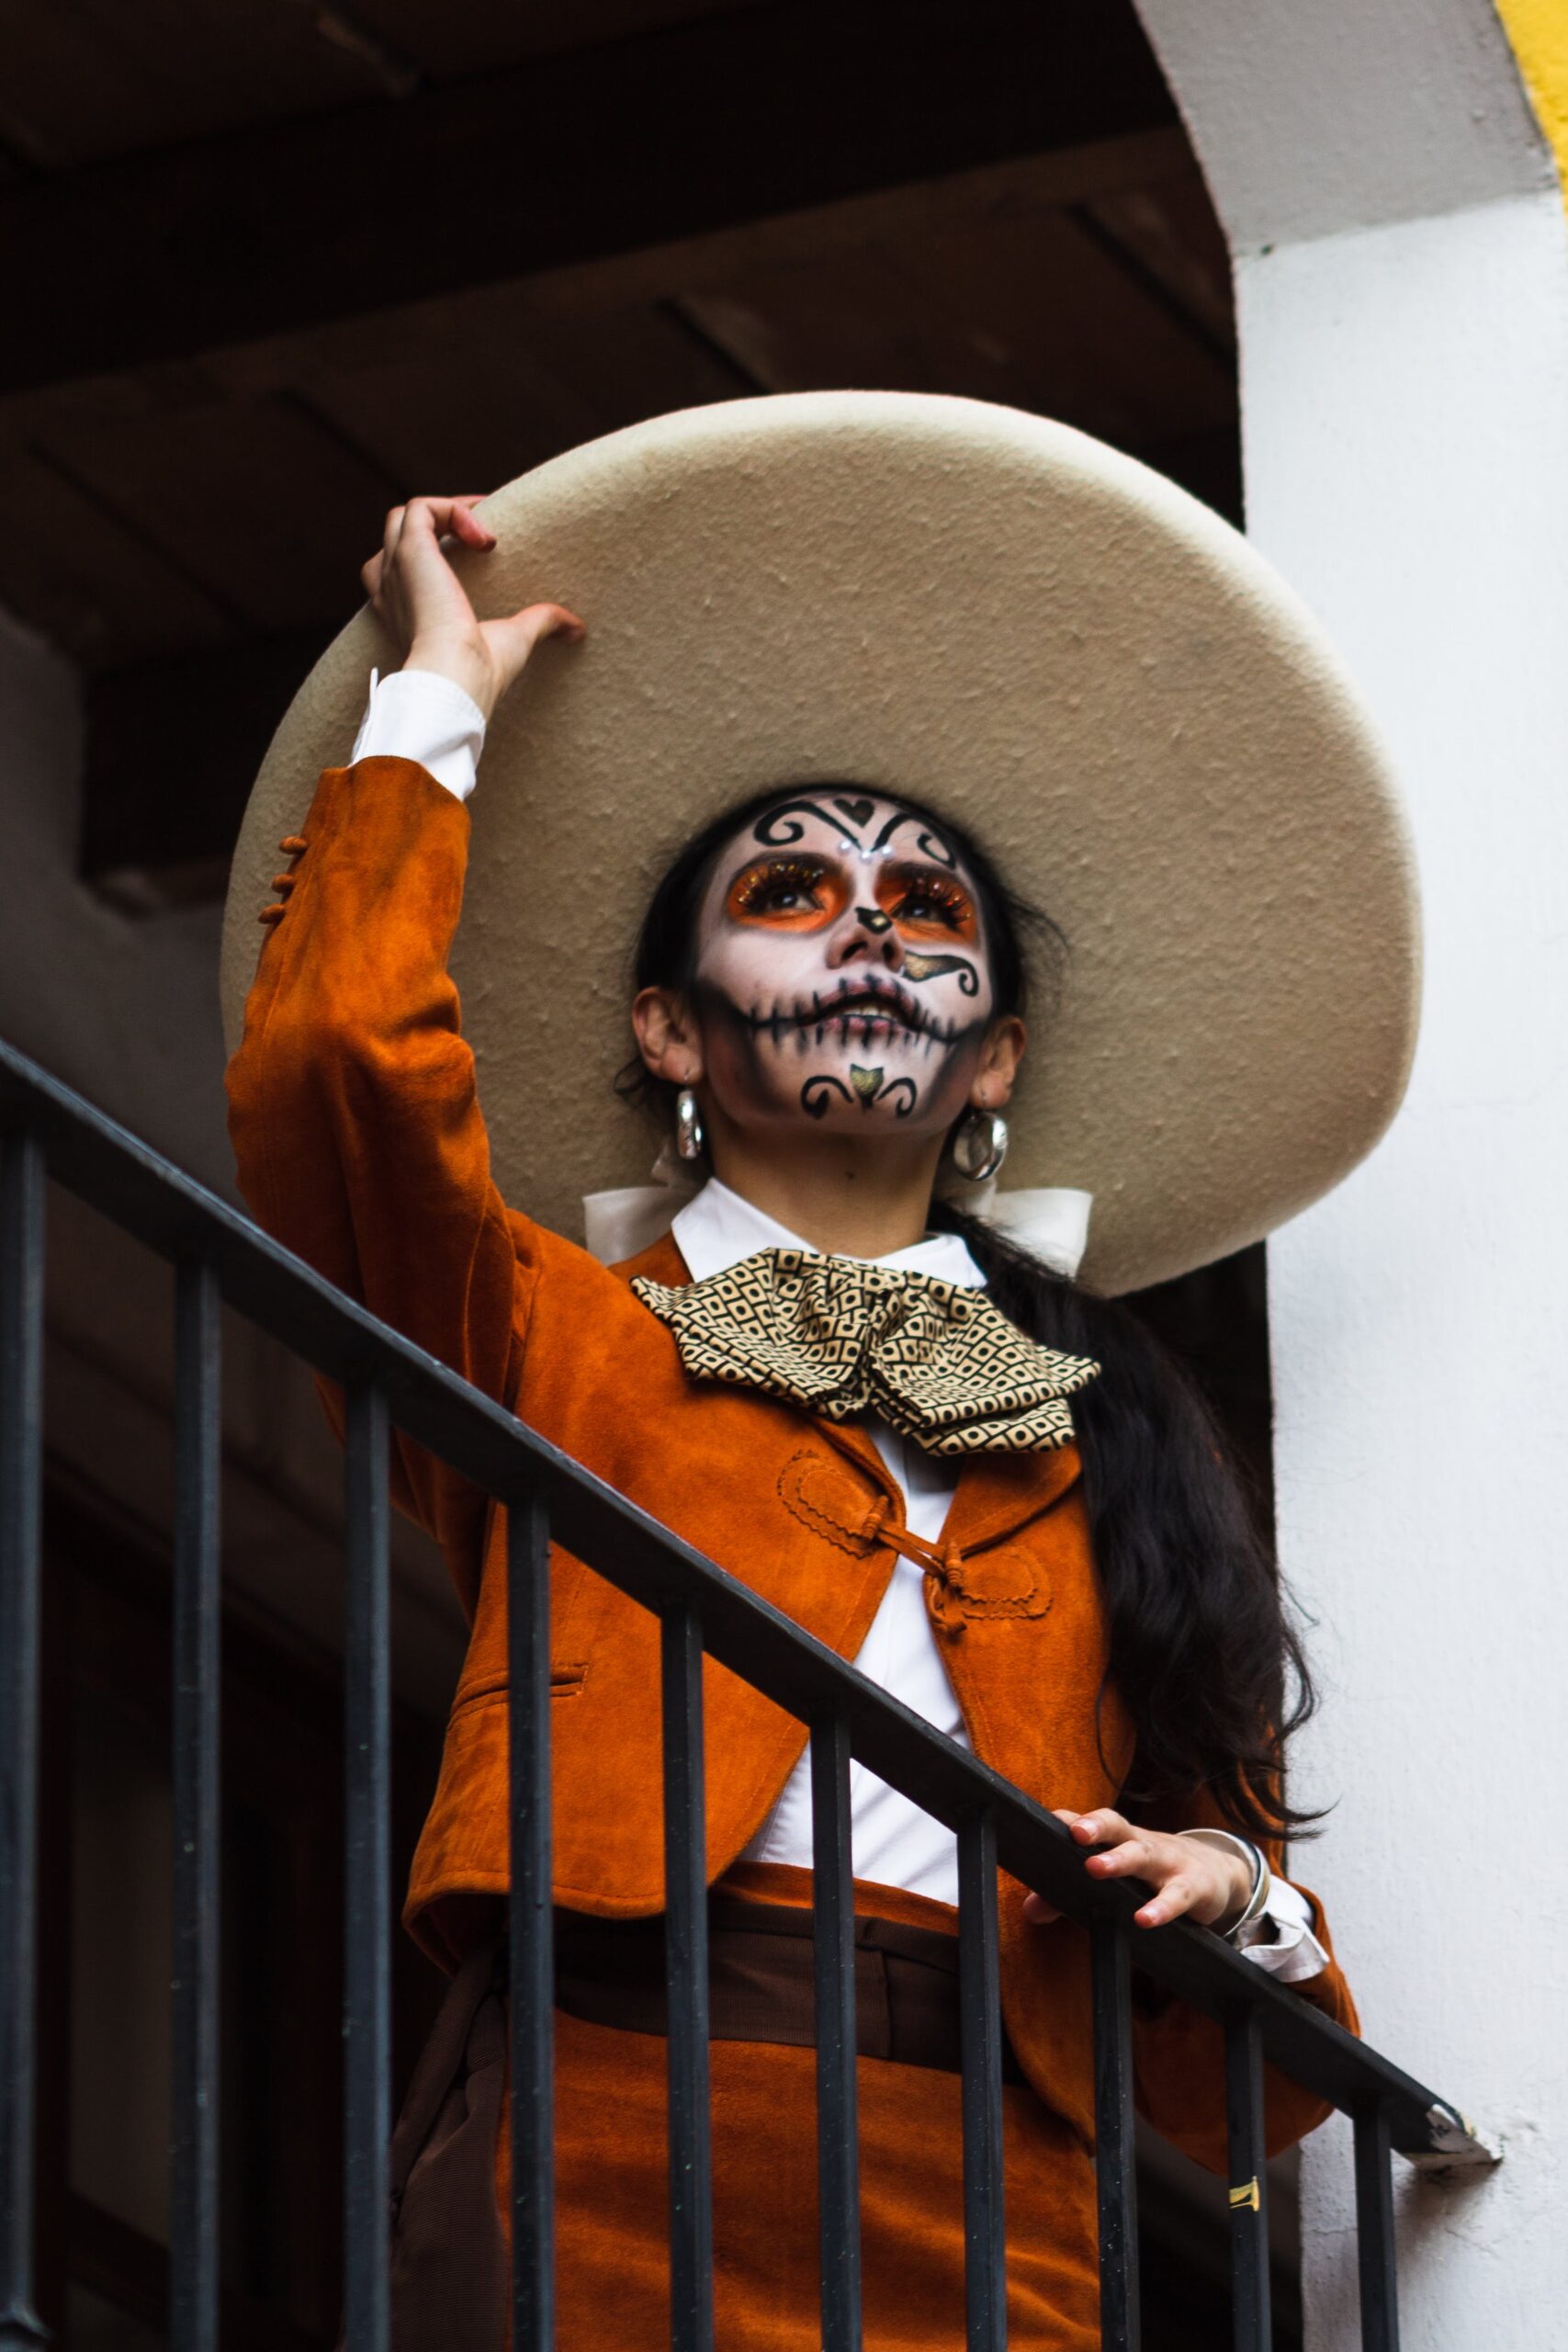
[(1005, 619)]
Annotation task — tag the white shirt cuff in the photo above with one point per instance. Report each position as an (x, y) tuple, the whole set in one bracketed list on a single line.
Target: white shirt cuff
[(1295, 1953), (1280, 1940), (419, 715)]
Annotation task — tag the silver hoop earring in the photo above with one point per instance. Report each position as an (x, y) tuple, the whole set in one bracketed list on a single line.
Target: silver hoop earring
[(980, 1145), (689, 1137)]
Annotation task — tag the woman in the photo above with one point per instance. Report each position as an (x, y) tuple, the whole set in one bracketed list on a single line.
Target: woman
[(1015, 1515)]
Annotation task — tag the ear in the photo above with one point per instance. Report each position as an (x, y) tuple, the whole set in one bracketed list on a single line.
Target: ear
[(996, 1073), (667, 1036)]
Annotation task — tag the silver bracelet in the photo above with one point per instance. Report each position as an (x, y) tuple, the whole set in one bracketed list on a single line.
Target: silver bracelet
[(1226, 1841)]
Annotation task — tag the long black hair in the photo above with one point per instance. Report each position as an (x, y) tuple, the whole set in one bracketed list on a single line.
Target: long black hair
[(1202, 1651)]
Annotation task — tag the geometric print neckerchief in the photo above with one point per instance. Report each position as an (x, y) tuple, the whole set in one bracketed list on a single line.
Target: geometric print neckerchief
[(839, 1336)]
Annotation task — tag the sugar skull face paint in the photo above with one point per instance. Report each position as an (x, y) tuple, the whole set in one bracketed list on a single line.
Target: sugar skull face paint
[(841, 971)]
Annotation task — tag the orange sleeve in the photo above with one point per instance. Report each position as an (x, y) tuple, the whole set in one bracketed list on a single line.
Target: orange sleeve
[(1178, 2057), (353, 1113), (1178, 2069)]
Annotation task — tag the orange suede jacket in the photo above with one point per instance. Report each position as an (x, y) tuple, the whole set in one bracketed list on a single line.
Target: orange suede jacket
[(361, 1146)]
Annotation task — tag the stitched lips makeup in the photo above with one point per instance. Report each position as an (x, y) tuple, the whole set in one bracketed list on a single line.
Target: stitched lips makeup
[(841, 969), (858, 1011)]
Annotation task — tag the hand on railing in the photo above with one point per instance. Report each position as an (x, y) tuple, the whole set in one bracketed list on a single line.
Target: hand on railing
[(1189, 1880), (705, 1613)]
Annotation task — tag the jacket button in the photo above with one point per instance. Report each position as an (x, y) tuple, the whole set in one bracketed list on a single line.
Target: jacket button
[(272, 914), (284, 882), (293, 845)]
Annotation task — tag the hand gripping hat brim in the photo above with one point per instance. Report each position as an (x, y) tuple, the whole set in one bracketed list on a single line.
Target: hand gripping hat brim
[(1005, 619)]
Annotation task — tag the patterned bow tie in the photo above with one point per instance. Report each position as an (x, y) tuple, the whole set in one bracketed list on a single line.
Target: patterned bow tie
[(839, 1336)]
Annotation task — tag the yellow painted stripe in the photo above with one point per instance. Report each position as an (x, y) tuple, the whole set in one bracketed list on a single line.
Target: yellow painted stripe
[(1538, 31)]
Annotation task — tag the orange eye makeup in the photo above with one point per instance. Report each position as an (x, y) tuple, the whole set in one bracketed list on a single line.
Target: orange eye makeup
[(927, 904), (788, 894), (807, 893)]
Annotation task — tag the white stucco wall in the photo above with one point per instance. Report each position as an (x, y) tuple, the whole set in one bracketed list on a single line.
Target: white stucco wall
[(1422, 1391), (1402, 267)]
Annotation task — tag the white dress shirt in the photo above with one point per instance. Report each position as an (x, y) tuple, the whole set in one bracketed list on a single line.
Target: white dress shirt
[(895, 1843), (417, 715)]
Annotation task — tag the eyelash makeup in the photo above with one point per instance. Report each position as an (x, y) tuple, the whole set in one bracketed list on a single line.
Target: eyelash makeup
[(759, 890), (803, 893), (951, 903)]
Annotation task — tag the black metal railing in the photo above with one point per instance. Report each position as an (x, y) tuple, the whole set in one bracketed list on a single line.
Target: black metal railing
[(46, 1131)]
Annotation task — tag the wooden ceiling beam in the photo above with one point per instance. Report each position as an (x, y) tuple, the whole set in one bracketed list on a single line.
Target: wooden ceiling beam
[(694, 128)]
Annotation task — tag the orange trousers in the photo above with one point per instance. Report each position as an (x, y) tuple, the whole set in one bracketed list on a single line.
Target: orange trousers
[(612, 2191)]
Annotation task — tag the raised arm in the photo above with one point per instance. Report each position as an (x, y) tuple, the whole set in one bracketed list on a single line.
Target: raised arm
[(353, 1107)]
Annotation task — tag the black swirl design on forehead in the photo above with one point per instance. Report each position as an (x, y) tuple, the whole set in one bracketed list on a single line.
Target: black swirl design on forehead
[(929, 840), (778, 827), (781, 825)]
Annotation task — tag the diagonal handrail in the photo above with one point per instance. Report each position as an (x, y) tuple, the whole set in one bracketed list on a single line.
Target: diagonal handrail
[(145, 1195)]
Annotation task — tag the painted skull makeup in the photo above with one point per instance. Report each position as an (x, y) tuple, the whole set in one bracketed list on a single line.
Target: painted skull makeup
[(842, 967)]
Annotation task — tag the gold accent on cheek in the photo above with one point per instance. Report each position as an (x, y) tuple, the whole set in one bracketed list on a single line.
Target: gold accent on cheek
[(918, 967)]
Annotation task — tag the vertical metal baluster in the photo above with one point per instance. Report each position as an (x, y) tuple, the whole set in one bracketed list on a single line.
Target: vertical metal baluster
[(838, 2142), (194, 2089), (22, 1178), (1251, 2321), (686, 1966), (367, 1880), (980, 2020), (531, 1961), (1374, 2230), (1111, 1964)]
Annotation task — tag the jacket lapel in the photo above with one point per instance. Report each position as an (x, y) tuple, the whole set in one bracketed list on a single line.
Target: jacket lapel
[(999, 1493), (850, 1439)]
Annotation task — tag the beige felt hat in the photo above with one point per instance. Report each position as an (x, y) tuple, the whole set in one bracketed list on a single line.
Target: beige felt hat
[(1028, 630)]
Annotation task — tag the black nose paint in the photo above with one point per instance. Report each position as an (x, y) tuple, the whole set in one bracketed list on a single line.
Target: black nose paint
[(873, 919)]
